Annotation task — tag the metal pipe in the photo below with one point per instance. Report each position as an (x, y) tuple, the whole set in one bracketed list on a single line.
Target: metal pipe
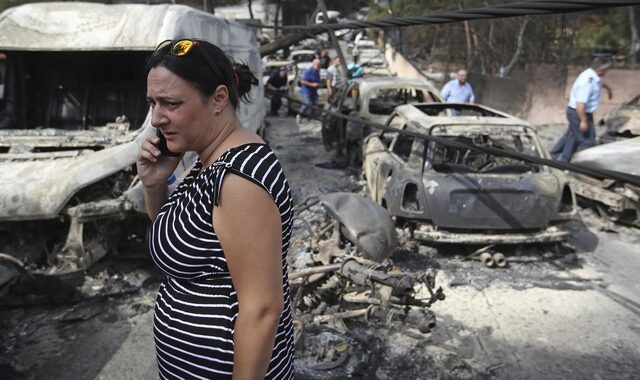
[(423, 318), (487, 259), (343, 315), (334, 40), (368, 275), (314, 270), (499, 260), (17, 262)]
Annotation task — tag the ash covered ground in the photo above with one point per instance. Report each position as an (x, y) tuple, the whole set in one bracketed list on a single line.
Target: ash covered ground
[(569, 312)]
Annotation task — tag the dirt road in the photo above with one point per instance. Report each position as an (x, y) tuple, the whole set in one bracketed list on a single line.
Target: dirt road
[(550, 314)]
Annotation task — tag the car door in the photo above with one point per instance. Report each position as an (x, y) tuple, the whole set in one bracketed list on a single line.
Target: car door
[(392, 170), (386, 162), (406, 183), (376, 147)]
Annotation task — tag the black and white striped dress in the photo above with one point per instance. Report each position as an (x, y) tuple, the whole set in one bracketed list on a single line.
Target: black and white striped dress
[(197, 306)]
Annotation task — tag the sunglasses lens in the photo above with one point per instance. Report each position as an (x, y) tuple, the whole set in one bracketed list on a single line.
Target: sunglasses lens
[(182, 47), (162, 45)]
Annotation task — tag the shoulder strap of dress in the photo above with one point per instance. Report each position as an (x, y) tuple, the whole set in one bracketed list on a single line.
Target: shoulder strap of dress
[(244, 162)]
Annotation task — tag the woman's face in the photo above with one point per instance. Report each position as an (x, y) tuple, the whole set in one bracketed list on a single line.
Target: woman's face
[(179, 111)]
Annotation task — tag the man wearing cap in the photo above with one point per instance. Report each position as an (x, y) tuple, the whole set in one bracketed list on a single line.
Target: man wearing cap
[(277, 86), (583, 101)]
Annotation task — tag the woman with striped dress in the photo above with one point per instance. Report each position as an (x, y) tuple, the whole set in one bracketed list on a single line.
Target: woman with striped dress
[(221, 237)]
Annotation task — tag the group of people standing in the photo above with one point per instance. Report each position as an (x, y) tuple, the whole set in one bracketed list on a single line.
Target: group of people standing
[(584, 97), (311, 80)]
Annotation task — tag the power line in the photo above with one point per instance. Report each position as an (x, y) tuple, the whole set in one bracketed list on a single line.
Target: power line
[(572, 167), (519, 8)]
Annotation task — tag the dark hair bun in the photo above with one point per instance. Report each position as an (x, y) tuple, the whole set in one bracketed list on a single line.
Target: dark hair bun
[(245, 79)]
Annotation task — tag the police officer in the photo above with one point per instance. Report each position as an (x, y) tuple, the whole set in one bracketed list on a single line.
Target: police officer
[(583, 101)]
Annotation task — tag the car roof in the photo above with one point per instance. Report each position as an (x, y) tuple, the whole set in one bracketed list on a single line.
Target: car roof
[(419, 120), (374, 82)]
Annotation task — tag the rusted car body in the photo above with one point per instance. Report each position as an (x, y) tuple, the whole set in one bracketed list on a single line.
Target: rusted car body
[(621, 201), (452, 195), (373, 99), (75, 90), (622, 122)]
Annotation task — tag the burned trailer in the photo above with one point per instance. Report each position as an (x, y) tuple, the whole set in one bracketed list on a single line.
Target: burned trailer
[(614, 200), (74, 115), (453, 195)]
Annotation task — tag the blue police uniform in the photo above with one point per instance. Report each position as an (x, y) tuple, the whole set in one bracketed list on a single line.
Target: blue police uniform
[(585, 89)]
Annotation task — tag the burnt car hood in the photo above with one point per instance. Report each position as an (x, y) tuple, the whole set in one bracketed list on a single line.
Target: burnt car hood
[(41, 170), (366, 224), (622, 156), (492, 201), (625, 120)]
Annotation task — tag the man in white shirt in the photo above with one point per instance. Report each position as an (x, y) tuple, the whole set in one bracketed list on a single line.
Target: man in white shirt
[(334, 76), (583, 101), (458, 91)]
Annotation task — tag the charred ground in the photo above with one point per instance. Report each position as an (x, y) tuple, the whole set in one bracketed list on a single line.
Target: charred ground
[(555, 311)]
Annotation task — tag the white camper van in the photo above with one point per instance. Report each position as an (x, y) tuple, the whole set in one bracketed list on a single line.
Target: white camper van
[(73, 114)]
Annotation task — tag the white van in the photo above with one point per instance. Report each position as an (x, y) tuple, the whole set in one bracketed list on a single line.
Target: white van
[(74, 114)]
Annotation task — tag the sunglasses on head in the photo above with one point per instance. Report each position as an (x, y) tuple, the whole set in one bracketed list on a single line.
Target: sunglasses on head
[(182, 48)]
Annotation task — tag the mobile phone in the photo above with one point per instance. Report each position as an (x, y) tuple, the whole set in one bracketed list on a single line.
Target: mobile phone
[(162, 145)]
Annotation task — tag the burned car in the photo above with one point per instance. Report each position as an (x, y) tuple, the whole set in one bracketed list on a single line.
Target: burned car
[(453, 195), (369, 55), (74, 116), (613, 199), (373, 99), (622, 122)]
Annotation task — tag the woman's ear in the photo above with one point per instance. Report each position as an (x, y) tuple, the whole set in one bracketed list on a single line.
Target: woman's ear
[(220, 98)]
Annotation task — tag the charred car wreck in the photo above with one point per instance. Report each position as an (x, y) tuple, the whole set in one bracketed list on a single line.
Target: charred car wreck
[(372, 99), (622, 122), (450, 195), (614, 200), (74, 116), (619, 150)]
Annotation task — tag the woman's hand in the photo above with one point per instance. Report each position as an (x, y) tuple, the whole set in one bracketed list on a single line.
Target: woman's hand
[(154, 169)]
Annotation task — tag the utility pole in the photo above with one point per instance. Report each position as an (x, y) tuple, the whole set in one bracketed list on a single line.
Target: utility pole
[(334, 40)]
